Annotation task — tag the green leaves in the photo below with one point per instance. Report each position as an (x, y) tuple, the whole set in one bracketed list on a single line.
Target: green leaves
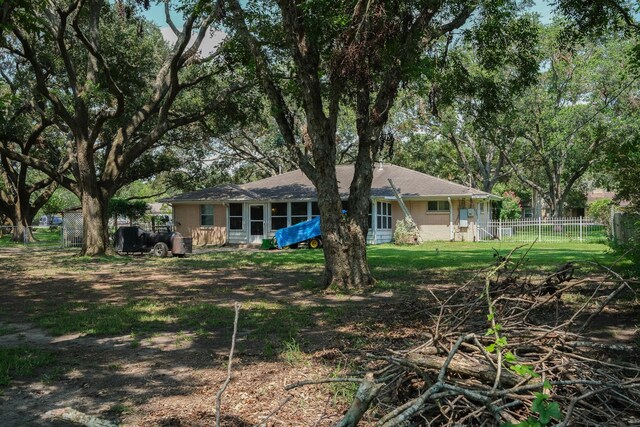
[(545, 410), (524, 370)]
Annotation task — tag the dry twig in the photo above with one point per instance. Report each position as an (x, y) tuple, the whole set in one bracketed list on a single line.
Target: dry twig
[(228, 379)]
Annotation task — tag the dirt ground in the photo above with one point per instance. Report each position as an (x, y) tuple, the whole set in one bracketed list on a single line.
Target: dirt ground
[(169, 377)]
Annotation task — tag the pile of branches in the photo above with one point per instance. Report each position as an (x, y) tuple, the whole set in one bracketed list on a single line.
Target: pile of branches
[(506, 350)]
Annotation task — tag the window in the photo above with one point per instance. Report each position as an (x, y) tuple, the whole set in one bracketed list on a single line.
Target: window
[(235, 216), (298, 212), (315, 210), (383, 217), (278, 216), (438, 206), (206, 214)]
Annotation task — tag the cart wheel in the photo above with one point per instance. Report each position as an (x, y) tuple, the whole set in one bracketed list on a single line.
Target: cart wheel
[(315, 243), (160, 250)]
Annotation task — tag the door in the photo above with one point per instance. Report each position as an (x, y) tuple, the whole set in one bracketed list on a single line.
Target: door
[(256, 223), (482, 221)]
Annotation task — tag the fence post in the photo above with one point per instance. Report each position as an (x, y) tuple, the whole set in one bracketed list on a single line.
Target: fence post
[(500, 229), (581, 229), (539, 229)]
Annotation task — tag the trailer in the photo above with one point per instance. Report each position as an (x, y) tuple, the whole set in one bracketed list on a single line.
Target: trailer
[(136, 240), (304, 232)]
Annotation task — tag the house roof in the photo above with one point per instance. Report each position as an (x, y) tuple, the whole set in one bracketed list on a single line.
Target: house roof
[(296, 186)]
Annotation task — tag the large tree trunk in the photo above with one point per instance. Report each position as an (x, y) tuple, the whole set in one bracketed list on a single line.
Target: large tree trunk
[(346, 266), (343, 235), (22, 218), (95, 230), (21, 231)]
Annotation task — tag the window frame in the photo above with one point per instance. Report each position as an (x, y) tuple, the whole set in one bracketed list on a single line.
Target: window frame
[(384, 216), (204, 214), (241, 216), (279, 217), (298, 218), (438, 206)]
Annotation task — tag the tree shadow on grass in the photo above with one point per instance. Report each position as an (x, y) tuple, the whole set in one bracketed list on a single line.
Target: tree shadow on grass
[(146, 333)]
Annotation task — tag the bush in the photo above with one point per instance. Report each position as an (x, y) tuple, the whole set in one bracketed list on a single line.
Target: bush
[(511, 207), (600, 210)]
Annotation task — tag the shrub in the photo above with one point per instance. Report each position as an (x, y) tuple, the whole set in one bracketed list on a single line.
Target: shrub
[(600, 210), (511, 207)]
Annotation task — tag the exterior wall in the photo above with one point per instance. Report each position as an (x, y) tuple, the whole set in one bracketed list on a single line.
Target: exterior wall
[(187, 221), (433, 225)]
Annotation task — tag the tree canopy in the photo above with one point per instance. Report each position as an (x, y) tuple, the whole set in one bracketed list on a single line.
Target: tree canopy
[(118, 93)]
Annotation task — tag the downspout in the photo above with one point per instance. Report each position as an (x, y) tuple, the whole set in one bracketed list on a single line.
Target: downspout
[(451, 237)]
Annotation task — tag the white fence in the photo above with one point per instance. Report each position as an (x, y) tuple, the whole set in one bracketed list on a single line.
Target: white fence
[(543, 230), (72, 230)]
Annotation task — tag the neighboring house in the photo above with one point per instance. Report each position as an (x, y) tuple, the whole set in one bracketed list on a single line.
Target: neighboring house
[(248, 213)]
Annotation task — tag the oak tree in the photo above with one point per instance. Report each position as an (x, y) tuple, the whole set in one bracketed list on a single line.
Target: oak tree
[(117, 90), (319, 56)]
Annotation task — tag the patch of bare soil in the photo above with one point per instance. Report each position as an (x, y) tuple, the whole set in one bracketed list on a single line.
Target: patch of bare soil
[(170, 377)]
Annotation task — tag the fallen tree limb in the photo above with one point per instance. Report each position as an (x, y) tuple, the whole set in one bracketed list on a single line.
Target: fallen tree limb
[(228, 379), (364, 396)]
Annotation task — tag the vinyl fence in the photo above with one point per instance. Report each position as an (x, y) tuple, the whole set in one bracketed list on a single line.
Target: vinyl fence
[(559, 230)]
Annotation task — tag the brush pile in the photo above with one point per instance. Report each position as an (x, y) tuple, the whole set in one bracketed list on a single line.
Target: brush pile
[(506, 349)]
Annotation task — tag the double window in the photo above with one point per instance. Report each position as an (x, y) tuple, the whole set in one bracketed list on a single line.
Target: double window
[(438, 206), (206, 215), (235, 216), (383, 216)]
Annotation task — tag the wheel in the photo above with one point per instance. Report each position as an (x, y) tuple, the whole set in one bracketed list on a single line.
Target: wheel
[(315, 243), (160, 249)]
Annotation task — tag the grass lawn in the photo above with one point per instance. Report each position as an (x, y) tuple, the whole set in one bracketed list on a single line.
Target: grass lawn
[(45, 236), (160, 328), (447, 256), (402, 269)]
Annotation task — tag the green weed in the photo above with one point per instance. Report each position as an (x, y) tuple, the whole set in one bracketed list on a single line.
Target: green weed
[(21, 362), (291, 352)]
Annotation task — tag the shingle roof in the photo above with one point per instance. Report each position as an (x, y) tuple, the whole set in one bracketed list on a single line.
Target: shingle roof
[(220, 192), (295, 185)]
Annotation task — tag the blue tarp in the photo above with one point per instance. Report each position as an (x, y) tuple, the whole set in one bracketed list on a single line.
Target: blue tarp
[(297, 233)]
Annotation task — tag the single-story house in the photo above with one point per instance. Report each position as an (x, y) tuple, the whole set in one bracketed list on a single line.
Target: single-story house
[(248, 213)]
